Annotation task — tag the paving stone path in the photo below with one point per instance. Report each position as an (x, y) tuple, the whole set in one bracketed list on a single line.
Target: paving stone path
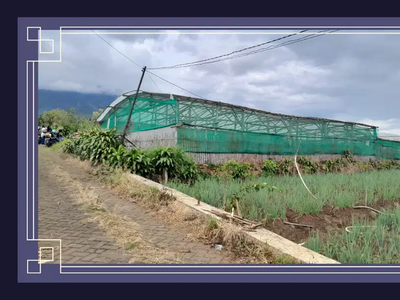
[(83, 242)]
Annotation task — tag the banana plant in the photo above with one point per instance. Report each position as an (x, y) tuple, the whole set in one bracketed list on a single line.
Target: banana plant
[(139, 163), (117, 158)]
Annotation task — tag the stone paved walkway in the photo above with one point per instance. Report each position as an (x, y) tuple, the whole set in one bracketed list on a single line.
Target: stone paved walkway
[(60, 217)]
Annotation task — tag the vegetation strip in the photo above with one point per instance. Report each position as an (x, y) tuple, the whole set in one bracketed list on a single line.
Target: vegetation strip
[(277, 244), (256, 195), (376, 242)]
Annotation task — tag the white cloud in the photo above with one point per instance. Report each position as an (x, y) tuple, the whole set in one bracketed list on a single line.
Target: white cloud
[(335, 76)]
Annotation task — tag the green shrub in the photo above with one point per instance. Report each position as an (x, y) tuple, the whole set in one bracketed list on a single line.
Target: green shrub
[(284, 166), (96, 145), (68, 147), (117, 158), (307, 164), (348, 155), (270, 167), (175, 162), (138, 162), (236, 170)]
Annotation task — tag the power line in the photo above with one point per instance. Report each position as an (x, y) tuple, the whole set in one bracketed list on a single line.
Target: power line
[(154, 83), (175, 85), (147, 71), (117, 49), (237, 51), (125, 57), (207, 61), (261, 50)]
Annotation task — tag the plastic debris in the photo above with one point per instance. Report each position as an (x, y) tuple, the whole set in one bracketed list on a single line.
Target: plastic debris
[(218, 247)]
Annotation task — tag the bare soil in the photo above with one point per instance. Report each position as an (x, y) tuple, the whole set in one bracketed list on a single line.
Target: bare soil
[(328, 221)]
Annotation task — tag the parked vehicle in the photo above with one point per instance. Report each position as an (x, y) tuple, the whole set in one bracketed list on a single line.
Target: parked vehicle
[(52, 138)]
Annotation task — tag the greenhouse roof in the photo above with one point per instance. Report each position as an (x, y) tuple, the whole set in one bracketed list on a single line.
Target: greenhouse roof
[(164, 97)]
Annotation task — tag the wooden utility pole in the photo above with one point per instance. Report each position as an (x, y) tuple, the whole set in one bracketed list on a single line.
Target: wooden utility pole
[(128, 122)]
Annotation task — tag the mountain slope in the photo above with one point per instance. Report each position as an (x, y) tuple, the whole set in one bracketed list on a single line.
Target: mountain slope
[(84, 104)]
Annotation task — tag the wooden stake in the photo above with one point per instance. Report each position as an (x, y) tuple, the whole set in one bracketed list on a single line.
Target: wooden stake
[(238, 209)]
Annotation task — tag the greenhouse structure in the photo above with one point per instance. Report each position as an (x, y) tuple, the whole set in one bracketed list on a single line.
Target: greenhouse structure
[(215, 131)]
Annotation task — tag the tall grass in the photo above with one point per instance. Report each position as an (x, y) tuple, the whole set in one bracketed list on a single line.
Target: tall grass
[(339, 190), (367, 243)]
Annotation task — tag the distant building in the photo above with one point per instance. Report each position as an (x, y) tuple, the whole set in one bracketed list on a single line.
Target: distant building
[(215, 131)]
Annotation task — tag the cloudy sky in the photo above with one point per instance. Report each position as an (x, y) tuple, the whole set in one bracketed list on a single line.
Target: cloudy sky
[(350, 77)]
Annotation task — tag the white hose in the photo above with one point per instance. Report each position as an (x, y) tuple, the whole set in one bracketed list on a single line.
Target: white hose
[(347, 228), (298, 171)]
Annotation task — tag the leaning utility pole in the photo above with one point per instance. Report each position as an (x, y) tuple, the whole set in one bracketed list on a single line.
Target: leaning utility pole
[(128, 122)]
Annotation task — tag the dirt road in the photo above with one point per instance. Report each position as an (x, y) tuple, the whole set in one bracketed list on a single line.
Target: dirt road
[(119, 233)]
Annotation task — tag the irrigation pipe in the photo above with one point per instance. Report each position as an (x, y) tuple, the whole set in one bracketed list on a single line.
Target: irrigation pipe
[(347, 228), (298, 171), (373, 209), (297, 224)]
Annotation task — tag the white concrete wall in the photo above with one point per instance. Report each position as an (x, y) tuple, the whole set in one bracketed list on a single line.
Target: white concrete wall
[(162, 137)]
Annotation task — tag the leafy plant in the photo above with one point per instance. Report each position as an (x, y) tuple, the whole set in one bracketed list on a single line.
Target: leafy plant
[(173, 163), (117, 158), (163, 161), (348, 155), (235, 170), (284, 166), (68, 147), (139, 162), (307, 164), (96, 145), (252, 187), (270, 167), (188, 171)]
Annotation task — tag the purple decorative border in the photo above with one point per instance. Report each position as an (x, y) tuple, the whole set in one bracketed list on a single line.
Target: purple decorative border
[(27, 149)]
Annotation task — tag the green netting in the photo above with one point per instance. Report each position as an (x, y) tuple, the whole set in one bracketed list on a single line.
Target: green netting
[(218, 141), (147, 114), (217, 127), (387, 149), (216, 115)]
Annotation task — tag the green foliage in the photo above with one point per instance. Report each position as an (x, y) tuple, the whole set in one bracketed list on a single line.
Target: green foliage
[(163, 159), (68, 147), (235, 170), (284, 166), (188, 171), (366, 243), (336, 190), (175, 162), (138, 162), (117, 158), (333, 165), (348, 155), (96, 145), (270, 167), (65, 120), (307, 165), (249, 188), (212, 224), (96, 114)]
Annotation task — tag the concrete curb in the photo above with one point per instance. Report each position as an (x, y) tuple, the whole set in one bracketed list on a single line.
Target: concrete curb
[(278, 244)]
